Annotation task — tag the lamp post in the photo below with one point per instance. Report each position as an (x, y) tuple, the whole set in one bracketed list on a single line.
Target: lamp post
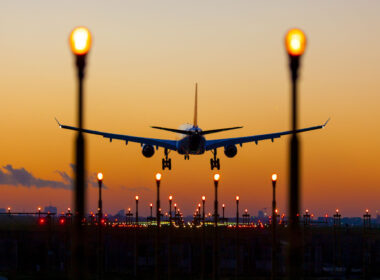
[(100, 204), (151, 210), (137, 209), (80, 42), (203, 247), (223, 208), (39, 211), (237, 211), (274, 224), (216, 251), (170, 209), (158, 217), (295, 42)]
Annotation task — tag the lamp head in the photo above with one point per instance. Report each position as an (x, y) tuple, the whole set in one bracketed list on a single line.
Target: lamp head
[(295, 42), (203, 198), (100, 176), (223, 205), (170, 197), (39, 208), (199, 205), (151, 205), (80, 41), (175, 204), (137, 197), (237, 198), (216, 177), (274, 177), (158, 177)]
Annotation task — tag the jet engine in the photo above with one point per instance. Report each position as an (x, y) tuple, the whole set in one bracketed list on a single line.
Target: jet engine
[(230, 151), (147, 150)]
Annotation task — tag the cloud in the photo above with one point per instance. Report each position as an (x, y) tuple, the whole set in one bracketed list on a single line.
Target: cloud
[(22, 177)]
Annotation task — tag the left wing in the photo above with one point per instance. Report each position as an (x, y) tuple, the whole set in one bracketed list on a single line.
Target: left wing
[(168, 144), (213, 144)]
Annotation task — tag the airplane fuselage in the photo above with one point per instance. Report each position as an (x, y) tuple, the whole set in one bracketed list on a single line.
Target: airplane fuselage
[(191, 144)]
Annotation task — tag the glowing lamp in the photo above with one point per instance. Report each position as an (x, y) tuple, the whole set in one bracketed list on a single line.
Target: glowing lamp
[(175, 204), (199, 205), (170, 197), (80, 41), (203, 198), (9, 209), (307, 210), (274, 177), (137, 197), (129, 209), (100, 176), (216, 177), (223, 205), (237, 198), (158, 177), (246, 210), (337, 210), (295, 42), (151, 205)]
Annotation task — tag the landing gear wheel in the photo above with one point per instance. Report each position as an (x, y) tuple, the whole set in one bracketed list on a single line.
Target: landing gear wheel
[(215, 162)]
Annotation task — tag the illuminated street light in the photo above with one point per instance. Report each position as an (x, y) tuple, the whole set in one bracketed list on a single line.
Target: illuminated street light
[(80, 43), (216, 247), (137, 209), (170, 209), (295, 42), (100, 203), (151, 210), (237, 198), (158, 218), (274, 224)]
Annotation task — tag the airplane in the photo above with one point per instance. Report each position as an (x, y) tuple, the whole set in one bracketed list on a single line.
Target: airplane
[(192, 140)]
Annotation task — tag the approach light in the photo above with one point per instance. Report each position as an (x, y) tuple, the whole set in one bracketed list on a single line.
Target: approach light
[(295, 42), (216, 177), (158, 177), (80, 41), (100, 176), (274, 177)]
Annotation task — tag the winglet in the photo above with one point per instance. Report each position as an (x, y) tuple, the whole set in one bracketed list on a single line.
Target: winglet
[(326, 123), (58, 123)]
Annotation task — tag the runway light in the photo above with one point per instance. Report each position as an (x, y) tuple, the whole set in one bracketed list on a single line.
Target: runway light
[(41, 221), (295, 42), (100, 176), (274, 177), (80, 40), (216, 177), (158, 177)]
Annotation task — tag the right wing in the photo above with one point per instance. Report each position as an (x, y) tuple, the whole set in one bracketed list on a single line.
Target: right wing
[(168, 144)]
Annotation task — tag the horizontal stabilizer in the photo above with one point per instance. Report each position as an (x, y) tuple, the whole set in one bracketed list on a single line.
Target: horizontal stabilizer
[(219, 130), (173, 130)]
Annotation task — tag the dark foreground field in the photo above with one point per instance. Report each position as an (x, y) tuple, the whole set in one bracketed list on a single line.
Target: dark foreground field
[(32, 251)]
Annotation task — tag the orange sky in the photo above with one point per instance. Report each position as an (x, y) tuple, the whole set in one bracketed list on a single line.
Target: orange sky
[(145, 59)]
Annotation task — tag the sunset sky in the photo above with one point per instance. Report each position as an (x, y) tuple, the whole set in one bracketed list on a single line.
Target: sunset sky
[(144, 62)]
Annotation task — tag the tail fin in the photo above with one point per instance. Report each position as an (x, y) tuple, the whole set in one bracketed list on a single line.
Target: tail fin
[(196, 106)]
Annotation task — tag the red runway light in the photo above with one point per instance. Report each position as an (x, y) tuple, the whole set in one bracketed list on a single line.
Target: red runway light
[(41, 221)]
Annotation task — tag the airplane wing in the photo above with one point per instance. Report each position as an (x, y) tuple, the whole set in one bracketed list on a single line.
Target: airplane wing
[(168, 144), (213, 144)]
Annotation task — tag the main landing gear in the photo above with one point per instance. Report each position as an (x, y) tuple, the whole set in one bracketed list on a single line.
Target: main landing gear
[(215, 163), (187, 157), (166, 162)]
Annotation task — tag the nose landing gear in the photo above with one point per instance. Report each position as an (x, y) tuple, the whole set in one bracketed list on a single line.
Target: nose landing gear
[(166, 162), (215, 162), (187, 157)]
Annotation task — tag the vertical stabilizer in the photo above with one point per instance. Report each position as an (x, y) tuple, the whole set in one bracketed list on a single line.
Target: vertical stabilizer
[(196, 106)]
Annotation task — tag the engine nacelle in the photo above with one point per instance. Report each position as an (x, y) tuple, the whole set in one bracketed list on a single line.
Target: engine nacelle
[(230, 151), (147, 150)]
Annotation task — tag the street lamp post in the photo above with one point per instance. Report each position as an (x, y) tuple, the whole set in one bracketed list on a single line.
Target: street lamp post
[(137, 209), (100, 204), (237, 211), (151, 210), (223, 206), (215, 267), (158, 217), (295, 42), (170, 209), (274, 224), (80, 42), (203, 247)]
